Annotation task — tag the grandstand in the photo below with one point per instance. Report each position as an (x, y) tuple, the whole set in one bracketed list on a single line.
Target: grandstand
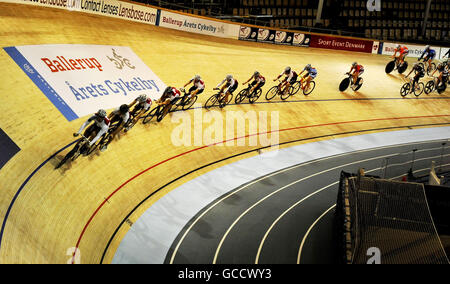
[(400, 20)]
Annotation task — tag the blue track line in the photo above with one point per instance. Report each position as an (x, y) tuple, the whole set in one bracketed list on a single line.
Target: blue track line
[(25, 183)]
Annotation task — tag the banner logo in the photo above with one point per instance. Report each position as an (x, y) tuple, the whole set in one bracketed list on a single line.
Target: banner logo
[(120, 61)]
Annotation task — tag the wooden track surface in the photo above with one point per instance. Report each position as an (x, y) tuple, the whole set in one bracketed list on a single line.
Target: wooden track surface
[(56, 209)]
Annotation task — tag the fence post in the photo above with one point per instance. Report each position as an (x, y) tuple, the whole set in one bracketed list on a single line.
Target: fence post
[(442, 156)]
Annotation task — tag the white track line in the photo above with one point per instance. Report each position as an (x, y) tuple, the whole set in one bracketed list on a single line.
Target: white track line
[(261, 244), (287, 169), (278, 190), (299, 255)]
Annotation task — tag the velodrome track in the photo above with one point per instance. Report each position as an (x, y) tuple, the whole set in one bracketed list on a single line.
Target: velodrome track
[(45, 212)]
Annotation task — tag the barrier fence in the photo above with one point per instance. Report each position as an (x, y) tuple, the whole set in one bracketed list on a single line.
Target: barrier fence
[(385, 221)]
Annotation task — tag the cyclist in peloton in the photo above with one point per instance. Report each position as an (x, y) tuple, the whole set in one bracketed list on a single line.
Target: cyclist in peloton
[(429, 54), (258, 82), (290, 79), (121, 116), (143, 104), (197, 86), (169, 98), (358, 70), (403, 52), (443, 73), (229, 85), (311, 73), (96, 129), (420, 72)]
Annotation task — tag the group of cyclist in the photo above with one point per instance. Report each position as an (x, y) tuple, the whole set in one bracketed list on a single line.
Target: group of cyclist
[(419, 69), (124, 117)]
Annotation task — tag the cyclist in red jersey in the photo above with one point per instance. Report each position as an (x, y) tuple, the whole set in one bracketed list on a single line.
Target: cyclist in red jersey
[(403, 52), (357, 71), (229, 85), (289, 80), (257, 83)]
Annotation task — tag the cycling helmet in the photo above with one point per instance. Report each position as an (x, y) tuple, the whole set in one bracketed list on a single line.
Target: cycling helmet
[(142, 98), (197, 78), (101, 113), (168, 90), (398, 46), (308, 67), (354, 64), (124, 108), (256, 73), (229, 77), (287, 69), (427, 47)]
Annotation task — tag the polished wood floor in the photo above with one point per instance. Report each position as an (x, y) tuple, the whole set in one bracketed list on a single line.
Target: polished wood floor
[(83, 203)]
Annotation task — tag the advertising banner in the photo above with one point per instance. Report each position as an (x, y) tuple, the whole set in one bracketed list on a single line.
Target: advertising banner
[(198, 25), (301, 39), (267, 36), (248, 33), (375, 47), (330, 42), (284, 38), (111, 8), (414, 50), (80, 79)]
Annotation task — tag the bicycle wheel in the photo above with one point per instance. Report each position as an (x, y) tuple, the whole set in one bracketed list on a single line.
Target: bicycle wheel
[(271, 93), (429, 87), (344, 84), (241, 96), (255, 96), (405, 89), (162, 114), (95, 145), (78, 151), (418, 89), (223, 103), (402, 68), (190, 102), (285, 95), (211, 101), (179, 103), (311, 87), (359, 83), (295, 88), (152, 114), (390, 66), (130, 124), (441, 88)]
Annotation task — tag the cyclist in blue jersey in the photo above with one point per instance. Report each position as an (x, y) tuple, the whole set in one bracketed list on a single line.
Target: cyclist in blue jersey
[(311, 73), (428, 55)]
